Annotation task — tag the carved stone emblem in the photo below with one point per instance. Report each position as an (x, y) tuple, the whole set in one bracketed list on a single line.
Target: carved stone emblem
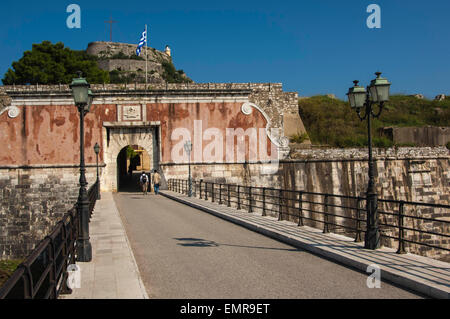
[(132, 113)]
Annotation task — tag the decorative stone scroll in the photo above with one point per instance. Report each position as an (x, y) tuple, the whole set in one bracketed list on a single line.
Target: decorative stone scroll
[(275, 134), (13, 111)]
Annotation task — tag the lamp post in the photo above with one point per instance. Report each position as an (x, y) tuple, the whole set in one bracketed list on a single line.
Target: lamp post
[(188, 149), (359, 98), (97, 150), (83, 97)]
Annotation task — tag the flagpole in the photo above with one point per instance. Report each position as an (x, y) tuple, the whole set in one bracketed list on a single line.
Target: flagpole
[(146, 54)]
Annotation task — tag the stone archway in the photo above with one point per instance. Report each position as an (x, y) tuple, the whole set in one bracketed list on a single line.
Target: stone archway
[(118, 137)]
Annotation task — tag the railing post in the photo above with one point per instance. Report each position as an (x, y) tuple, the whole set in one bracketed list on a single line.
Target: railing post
[(28, 284), (300, 209), (280, 202), (401, 234), (228, 191), (238, 196), (65, 290), (220, 194), (194, 188), (52, 273), (200, 189), (358, 237), (212, 193), (325, 217), (206, 191), (264, 201), (250, 210)]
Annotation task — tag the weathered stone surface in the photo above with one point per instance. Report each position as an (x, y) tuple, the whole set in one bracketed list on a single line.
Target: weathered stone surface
[(5, 100), (420, 136), (32, 201)]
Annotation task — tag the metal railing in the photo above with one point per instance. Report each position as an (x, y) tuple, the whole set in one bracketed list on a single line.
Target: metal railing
[(332, 213), (43, 274)]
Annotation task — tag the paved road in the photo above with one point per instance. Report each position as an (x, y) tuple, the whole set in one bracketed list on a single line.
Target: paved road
[(188, 254)]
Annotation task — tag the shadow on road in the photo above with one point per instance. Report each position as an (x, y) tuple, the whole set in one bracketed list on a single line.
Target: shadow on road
[(198, 242)]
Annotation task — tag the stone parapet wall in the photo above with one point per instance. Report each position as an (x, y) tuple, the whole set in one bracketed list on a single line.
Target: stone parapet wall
[(259, 87), (32, 201), (416, 175), (362, 153)]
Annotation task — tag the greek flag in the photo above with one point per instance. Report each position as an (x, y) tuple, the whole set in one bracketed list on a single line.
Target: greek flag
[(142, 42)]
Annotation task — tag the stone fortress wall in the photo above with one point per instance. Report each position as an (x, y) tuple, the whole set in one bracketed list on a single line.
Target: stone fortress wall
[(409, 174), (33, 192), (109, 49), (32, 200), (39, 126), (281, 107), (107, 53)]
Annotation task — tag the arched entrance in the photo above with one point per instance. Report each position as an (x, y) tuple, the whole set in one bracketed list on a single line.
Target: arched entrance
[(131, 162), (118, 137)]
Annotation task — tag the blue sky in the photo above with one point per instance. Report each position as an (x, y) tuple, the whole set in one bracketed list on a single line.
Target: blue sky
[(311, 46)]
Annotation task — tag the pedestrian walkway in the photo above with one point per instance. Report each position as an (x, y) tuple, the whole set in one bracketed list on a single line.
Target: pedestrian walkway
[(113, 272), (424, 275)]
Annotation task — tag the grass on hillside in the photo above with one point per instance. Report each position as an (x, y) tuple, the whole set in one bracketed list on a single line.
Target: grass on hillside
[(7, 268), (332, 122)]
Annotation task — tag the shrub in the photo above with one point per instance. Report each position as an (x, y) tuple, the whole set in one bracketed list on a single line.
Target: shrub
[(299, 138), (332, 122)]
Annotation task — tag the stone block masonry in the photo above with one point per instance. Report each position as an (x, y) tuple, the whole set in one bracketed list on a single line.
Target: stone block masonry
[(32, 201)]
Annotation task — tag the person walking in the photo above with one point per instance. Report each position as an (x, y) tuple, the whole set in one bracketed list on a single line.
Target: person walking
[(156, 181), (144, 183)]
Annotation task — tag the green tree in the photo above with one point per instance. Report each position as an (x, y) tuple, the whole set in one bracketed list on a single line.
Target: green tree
[(131, 153), (49, 63), (171, 75)]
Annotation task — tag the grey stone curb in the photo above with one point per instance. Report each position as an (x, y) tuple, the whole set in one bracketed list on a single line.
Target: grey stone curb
[(391, 275)]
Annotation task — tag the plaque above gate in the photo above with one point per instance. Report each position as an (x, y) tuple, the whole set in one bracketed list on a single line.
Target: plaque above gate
[(131, 113)]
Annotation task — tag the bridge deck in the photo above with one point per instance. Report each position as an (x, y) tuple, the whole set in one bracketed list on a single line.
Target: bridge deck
[(183, 252), (424, 275)]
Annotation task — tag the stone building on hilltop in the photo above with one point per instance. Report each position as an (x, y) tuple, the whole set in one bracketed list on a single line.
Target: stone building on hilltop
[(121, 61)]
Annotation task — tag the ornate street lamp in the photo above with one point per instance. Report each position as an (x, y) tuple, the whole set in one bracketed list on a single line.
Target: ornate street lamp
[(188, 149), (359, 97), (83, 97), (97, 150)]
